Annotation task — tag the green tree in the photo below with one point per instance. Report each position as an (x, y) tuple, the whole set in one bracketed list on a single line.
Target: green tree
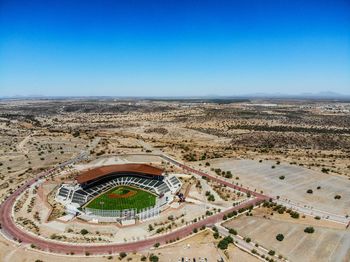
[(84, 232), (153, 258), (223, 243), (232, 231), (280, 237), (309, 230), (216, 235), (272, 253)]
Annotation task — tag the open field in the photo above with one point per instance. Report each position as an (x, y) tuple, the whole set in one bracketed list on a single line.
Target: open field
[(297, 180), (326, 244), (123, 197), (202, 245)]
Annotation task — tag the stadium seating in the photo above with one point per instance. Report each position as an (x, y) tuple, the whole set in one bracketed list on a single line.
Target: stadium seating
[(63, 192)]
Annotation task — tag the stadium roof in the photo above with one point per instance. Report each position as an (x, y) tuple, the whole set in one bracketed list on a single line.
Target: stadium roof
[(112, 169)]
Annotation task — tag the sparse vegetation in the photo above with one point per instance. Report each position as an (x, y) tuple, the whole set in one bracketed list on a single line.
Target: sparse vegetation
[(223, 243), (309, 230)]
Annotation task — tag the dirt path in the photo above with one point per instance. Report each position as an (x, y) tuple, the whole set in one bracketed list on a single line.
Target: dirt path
[(21, 145)]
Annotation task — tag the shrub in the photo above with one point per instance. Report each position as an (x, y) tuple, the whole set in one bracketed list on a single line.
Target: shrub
[(309, 191), (309, 230), (232, 214), (281, 177), (272, 253), (216, 235), (153, 258), (76, 134), (211, 198), (280, 237), (294, 214), (337, 197), (84, 232), (122, 255), (223, 244), (325, 170), (232, 231)]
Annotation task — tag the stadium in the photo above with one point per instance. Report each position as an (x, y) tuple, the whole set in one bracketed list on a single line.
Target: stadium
[(119, 193)]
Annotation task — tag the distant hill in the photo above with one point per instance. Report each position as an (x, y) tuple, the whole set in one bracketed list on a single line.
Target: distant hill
[(327, 95)]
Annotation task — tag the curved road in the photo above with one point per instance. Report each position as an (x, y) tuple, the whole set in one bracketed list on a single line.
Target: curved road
[(216, 179), (12, 231)]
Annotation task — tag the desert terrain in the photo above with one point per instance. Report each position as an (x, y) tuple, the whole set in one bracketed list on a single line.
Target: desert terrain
[(297, 152)]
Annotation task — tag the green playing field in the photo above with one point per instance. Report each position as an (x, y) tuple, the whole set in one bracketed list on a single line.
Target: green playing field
[(123, 197)]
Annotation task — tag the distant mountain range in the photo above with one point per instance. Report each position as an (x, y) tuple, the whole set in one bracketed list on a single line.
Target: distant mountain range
[(328, 95), (320, 95)]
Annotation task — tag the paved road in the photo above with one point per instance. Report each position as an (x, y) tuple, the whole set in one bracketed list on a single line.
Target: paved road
[(12, 231), (214, 178)]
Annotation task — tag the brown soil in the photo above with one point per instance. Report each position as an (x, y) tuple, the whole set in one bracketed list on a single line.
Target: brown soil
[(129, 194)]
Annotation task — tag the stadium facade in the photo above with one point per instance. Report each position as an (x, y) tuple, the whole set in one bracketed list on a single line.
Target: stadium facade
[(94, 182)]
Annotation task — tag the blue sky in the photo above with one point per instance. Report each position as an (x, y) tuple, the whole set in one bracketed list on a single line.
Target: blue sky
[(173, 48)]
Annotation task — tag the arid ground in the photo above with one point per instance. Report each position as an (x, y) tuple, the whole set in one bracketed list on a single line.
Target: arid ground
[(296, 151)]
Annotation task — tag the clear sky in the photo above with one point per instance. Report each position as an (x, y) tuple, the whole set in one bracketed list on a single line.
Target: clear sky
[(173, 48)]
